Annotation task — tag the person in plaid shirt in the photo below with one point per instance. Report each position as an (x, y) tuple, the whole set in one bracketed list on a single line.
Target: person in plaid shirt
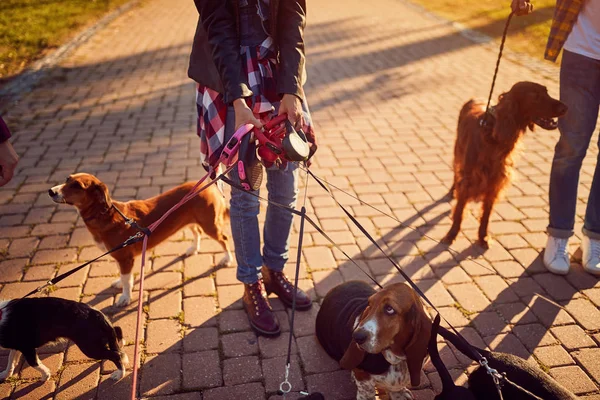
[(8, 157), (248, 62), (575, 30)]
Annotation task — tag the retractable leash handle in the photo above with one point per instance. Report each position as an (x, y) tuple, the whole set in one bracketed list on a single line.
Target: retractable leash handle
[(230, 150)]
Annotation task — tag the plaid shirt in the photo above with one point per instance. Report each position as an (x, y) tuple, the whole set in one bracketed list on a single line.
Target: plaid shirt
[(259, 64), (565, 15), (4, 132)]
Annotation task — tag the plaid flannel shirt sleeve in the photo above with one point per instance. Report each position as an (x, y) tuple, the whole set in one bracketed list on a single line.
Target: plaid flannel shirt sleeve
[(565, 15), (4, 132)]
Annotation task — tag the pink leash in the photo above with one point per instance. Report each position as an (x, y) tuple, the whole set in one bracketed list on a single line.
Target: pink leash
[(152, 227)]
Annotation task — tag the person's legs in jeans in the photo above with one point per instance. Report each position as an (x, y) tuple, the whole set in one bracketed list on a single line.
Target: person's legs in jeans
[(243, 212), (579, 76), (244, 209), (282, 185)]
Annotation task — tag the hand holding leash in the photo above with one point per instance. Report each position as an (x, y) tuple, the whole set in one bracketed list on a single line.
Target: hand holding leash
[(292, 106), (244, 115), (521, 7)]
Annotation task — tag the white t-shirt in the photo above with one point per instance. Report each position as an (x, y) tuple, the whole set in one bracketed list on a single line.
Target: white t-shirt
[(584, 39)]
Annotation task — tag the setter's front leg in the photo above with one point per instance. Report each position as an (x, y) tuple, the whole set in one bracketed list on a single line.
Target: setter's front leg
[(488, 204)]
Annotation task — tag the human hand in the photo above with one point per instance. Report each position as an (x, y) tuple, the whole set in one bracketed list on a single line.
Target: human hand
[(521, 7), (244, 115), (291, 105), (8, 162)]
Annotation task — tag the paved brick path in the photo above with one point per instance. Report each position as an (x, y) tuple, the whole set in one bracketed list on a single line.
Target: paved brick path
[(385, 85)]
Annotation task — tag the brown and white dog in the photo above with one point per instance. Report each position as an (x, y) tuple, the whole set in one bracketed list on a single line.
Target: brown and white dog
[(206, 212), (382, 336)]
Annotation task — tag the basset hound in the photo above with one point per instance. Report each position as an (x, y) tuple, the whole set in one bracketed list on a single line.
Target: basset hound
[(382, 336)]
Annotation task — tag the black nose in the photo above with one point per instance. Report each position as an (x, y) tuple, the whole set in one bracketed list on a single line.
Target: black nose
[(360, 336), (50, 192), (562, 108)]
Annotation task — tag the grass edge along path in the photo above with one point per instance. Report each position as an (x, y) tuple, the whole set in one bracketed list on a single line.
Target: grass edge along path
[(30, 29), (526, 34)]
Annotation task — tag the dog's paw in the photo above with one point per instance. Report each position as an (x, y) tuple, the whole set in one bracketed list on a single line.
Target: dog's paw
[(483, 243), (191, 250), (123, 301), (225, 261), (117, 375), (448, 239), (118, 284), (45, 371)]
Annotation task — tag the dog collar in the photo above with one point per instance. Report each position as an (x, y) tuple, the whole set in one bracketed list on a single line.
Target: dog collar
[(488, 119)]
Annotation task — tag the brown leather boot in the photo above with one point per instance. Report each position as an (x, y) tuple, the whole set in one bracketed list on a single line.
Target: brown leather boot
[(260, 314), (278, 283)]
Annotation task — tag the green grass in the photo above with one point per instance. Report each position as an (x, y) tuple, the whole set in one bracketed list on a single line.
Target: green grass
[(31, 28), (526, 34)]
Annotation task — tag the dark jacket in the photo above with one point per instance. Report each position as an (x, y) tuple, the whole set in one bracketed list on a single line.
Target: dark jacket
[(216, 62), (4, 132), (335, 323)]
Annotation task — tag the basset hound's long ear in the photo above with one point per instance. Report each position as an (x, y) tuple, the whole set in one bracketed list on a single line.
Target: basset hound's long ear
[(416, 349), (352, 357)]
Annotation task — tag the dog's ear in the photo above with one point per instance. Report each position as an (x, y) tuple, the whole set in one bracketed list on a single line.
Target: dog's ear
[(101, 193), (352, 357), (416, 349), (507, 111)]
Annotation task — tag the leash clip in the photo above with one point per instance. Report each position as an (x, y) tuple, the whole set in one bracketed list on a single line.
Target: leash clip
[(285, 387), (44, 286), (133, 239), (496, 376)]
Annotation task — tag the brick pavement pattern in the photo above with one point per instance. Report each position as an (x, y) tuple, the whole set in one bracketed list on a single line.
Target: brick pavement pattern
[(386, 82)]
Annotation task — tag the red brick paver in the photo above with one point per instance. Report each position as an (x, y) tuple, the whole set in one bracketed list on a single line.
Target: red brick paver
[(385, 85)]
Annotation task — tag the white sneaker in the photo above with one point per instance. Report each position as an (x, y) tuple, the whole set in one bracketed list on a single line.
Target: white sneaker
[(556, 256), (590, 255)]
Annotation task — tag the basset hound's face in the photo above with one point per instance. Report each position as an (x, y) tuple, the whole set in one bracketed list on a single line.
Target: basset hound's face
[(80, 190), (389, 318), (394, 322)]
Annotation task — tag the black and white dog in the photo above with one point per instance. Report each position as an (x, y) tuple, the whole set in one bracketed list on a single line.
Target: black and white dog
[(26, 324)]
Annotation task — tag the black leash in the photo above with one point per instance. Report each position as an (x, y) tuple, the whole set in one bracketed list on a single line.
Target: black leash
[(473, 352), (404, 225), (487, 116), (142, 231), (285, 387), (131, 222), (133, 239), (309, 220)]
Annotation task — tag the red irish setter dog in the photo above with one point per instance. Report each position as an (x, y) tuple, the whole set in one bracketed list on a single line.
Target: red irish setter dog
[(483, 154)]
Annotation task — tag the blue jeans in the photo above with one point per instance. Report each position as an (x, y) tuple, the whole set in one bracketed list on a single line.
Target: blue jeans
[(282, 186), (580, 91)]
